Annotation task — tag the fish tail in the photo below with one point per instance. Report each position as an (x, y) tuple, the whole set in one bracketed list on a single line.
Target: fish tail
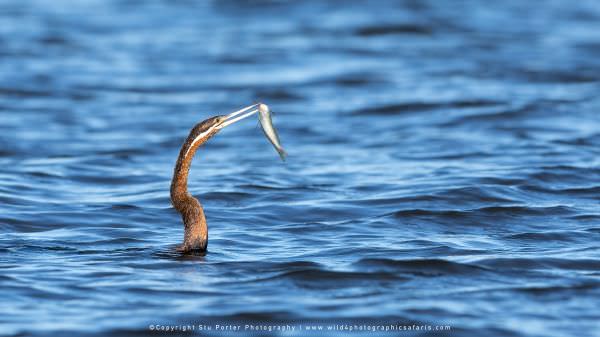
[(282, 154)]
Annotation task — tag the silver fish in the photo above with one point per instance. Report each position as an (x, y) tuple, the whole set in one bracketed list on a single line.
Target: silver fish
[(266, 122)]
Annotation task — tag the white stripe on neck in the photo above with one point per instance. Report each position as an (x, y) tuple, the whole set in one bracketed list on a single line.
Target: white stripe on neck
[(197, 139)]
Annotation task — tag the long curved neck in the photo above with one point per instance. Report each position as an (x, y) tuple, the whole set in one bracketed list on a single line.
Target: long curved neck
[(192, 214), (179, 190)]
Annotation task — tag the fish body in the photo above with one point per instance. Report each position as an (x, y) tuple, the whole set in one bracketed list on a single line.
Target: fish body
[(266, 122)]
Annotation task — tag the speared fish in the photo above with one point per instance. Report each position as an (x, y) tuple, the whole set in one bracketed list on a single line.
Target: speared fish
[(266, 122)]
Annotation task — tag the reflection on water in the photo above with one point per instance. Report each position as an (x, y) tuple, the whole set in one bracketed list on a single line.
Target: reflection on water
[(443, 165)]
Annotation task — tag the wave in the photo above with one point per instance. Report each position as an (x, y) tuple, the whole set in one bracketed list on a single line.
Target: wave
[(540, 263), (423, 267), (414, 107), (393, 29), (497, 211)]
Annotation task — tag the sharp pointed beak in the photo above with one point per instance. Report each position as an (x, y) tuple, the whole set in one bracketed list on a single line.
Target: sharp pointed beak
[(238, 115)]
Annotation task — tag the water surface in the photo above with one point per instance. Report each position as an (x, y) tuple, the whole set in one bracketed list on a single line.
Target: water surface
[(443, 165)]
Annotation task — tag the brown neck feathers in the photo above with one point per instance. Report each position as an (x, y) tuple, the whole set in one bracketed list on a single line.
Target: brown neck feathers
[(192, 214)]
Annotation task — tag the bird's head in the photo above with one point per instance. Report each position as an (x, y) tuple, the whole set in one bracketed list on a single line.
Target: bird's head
[(209, 127)]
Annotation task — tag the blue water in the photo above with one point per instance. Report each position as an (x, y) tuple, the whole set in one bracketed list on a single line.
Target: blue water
[(443, 166)]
